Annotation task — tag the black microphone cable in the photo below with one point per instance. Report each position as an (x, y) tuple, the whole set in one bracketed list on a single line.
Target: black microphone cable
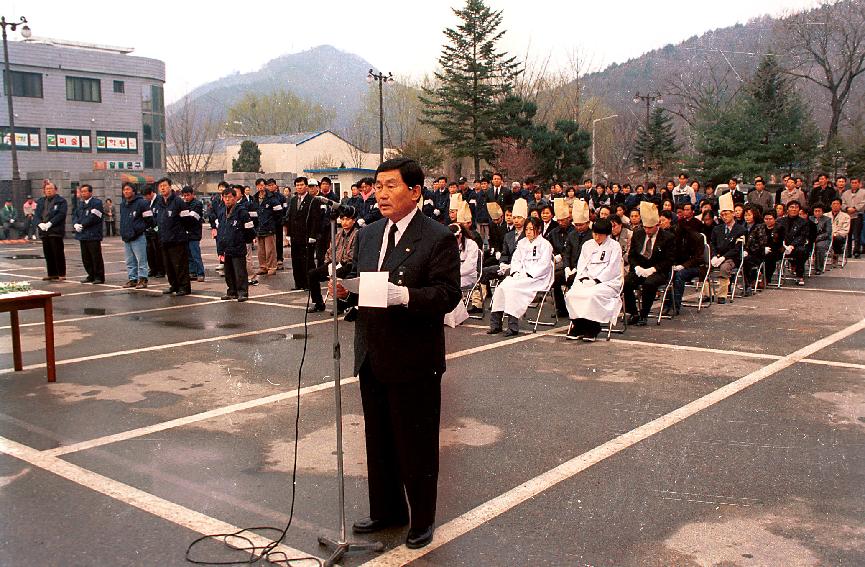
[(267, 552)]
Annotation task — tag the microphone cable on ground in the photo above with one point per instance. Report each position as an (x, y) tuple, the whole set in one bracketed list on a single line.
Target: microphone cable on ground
[(267, 552)]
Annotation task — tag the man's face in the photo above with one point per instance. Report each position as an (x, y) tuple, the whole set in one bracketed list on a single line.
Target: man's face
[(325, 187), (791, 185), (346, 223), (651, 230), (738, 211), (759, 186), (259, 187), (635, 218), (840, 184), (395, 198), (664, 223), (187, 197), (727, 217), (564, 222), (818, 212), (855, 185), (605, 213), (272, 187), (300, 187), (685, 212), (509, 217), (581, 226), (497, 180), (793, 210), (247, 191), (128, 193), (229, 199), (732, 184), (86, 193), (770, 221), (836, 207), (823, 181), (453, 189), (355, 191), (313, 190), (484, 185), (626, 190), (164, 189), (546, 215), (587, 185), (519, 222), (683, 181), (798, 182)]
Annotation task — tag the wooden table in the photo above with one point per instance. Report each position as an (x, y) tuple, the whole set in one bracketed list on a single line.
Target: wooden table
[(35, 299)]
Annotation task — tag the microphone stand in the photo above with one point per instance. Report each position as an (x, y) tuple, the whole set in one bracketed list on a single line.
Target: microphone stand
[(340, 546)]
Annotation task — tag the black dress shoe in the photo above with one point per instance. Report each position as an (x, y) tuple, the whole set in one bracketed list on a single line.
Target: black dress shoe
[(97, 282), (368, 525), (418, 538), (86, 280), (350, 315), (242, 298), (510, 333), (228, 297), (168, 291), (181, 292), (316, 308), (642, 321), (494, 331)]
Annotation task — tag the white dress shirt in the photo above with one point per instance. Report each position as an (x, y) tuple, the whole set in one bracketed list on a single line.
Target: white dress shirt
[(401, 225)]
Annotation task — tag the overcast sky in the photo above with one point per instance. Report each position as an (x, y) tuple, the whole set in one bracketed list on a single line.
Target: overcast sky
[(200, 42)]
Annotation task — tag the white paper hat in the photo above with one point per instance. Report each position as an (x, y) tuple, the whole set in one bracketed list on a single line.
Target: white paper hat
[(725, 202), (521, 208), (648, 213), (580, 211), (464, 213), (561, 209), (456, 201)]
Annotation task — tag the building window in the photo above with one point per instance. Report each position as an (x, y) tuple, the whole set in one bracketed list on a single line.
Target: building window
[(24, 84), (153, 126), (64, 140), (119, 87), (116, 142), (83, 89)]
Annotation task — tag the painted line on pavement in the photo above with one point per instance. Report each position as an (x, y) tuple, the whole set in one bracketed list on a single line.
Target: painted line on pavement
[(817, 289), (147, 430), (494, 508), (107, 315), (159, 507)]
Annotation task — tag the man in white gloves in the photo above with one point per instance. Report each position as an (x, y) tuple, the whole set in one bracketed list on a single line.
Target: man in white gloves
[(726, 243), (400, 352), (87, 220), (51, 212), (650, 259)]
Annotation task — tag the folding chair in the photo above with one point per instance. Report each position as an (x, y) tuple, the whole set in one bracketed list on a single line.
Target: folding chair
[(704, 284), (812, 258), (540, 304), (739, 272), (469, 290), (664, 292), (831, 254), (784, 268), (611, 324)]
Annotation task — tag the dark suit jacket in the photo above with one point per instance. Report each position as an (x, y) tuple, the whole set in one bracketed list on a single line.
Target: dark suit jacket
[(406, 343), (505, 198), (662, 251), (303, 218)]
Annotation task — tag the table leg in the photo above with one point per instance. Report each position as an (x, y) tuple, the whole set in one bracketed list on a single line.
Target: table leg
[(49, 339), (16, 341)]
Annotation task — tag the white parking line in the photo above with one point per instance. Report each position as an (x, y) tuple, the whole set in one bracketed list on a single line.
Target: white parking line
[(159, 507), (533, 487), (107, 315)]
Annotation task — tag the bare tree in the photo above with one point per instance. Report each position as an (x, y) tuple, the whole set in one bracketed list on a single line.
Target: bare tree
[(192, 136), (827, 47)]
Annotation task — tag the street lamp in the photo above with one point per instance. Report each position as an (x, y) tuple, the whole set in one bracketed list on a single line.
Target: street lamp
[(595, 121), (25, 33), (648, 99), (381, 78)]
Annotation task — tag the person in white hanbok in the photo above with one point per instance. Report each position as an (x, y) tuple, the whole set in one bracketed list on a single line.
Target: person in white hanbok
[(531, 271), (594, 298)]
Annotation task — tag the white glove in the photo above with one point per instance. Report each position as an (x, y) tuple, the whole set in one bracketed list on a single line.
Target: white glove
[(361, 222), (717, 261), (504, 268), (43, 226), (311, 240), (789, 249), (650, 271), (396, 294), (768, 250), (557, 258), (78, 227), (569, 272), (740, 240), (745, 253), (437, 212), (498, 255), (640, 271), (678, 268)]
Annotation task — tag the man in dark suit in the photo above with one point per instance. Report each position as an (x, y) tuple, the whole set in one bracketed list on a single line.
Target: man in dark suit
[(651, 259), (500, 194), (304, 225), (400, 352)]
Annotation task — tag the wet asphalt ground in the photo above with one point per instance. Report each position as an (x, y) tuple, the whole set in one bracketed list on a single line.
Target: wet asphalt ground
[(732, 436)]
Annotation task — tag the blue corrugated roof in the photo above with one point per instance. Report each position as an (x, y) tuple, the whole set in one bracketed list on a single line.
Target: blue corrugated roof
[(296, 139)]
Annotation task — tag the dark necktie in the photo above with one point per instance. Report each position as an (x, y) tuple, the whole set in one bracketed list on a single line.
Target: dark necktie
[(391, 243)]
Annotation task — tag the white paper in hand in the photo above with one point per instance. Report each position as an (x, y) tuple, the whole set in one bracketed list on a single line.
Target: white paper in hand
[(373, 289)]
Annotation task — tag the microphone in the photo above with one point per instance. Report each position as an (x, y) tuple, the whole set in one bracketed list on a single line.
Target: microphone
[(336, 209)]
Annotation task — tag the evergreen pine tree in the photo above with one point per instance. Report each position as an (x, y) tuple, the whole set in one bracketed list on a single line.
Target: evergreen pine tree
[(655, 147), (473, 82), (248, 158)]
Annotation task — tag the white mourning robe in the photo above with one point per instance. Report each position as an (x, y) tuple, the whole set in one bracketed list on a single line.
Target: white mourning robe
[(469, 263), (514, 294), (597, 301)]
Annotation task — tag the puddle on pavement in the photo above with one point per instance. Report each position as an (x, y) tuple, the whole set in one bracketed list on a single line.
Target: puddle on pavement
[(24, 257), (191, 324), (94, 311)]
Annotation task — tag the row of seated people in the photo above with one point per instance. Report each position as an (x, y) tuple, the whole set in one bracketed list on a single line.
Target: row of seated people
[(592, 265)]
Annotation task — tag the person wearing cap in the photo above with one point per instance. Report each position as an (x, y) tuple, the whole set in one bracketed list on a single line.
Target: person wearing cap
[(594, 297), (650, 259), (464, 219), (87, 223), (531, 271), (234, 230), (498, 229), (725, 245), (193, 210), (559, 237), (345, 240)]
